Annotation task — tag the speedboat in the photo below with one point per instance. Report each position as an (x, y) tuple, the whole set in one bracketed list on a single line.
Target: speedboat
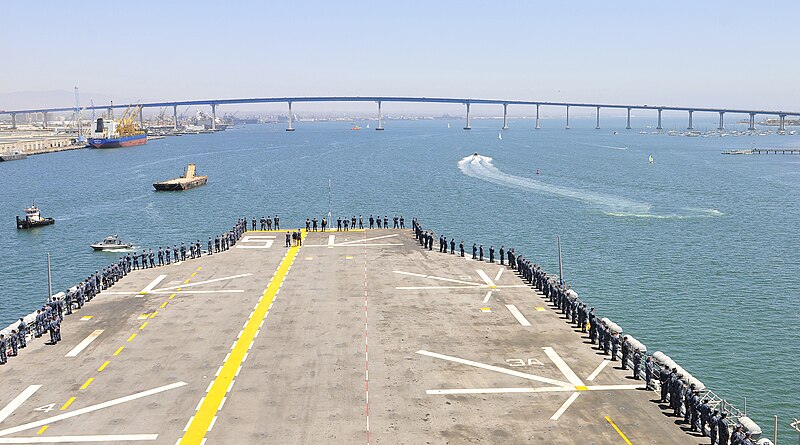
[(112, 242)]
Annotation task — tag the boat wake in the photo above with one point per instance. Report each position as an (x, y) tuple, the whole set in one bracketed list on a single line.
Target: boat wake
[(605, 146), (482, 167)]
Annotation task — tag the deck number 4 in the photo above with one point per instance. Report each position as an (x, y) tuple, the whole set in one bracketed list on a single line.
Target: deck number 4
[(256, 242), (522, 362), (45, 408)]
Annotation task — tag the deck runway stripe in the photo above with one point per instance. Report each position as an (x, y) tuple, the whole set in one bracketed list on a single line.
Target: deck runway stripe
[(621, 434), (182, 286), (219, 387), (499, 274), (496, 369), (599, 368), (18, 400), (486, 278), (79, 439), (83, 344), (488, 296), (563, 367), (518, 315), (152, 284), (565, 406)]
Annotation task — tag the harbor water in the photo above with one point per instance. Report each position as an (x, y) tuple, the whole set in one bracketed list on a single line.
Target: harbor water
[(696, 254)]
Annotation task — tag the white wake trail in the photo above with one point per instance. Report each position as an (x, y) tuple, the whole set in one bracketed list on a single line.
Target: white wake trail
[(481, 167)]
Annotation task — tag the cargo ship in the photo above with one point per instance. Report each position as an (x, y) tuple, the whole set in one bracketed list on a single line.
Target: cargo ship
[(188, 181), (122, 133)]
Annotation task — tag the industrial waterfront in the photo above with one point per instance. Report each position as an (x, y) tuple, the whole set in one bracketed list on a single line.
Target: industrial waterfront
[(690, 254)]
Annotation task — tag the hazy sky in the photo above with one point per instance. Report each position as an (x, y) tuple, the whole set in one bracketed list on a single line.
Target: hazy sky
[(713, 53)]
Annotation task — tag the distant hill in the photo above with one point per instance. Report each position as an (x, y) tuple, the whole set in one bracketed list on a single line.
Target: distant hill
[(52, 99)]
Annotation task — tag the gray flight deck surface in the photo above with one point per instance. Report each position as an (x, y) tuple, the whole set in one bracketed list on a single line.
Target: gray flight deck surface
[(370, 339)]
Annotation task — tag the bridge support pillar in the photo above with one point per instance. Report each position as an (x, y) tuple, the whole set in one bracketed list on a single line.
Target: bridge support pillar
[(658, 127), (109, 112), (141, 118), (505, 116), (537, 117), (597, 126), (690, 127), (567, 128), (175, 117), (628, 127), (782, 128), (468, 127), (721, 121), (291, 116), (213, 117), (752, 122), (380, 118), (13, 121), (44, 119)]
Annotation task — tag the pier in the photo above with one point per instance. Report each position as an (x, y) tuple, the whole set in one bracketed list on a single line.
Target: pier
[(763, 151), (355, 337)]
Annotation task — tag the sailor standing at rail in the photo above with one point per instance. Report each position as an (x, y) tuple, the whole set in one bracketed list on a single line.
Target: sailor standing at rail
[(396, 220), (314, 224), (481, 252), (269, 223), (254, 223), (402, 222), (705, 415), (13, 340), (152, 257), (360, 222), (3, 357), (648, 372), (502, 255), (277, 222), (461, 248), (22, 328), (722, 427), (288, 240), (713, 423), (324, 224), (371, 222), (385, 221), (626, 350), (688, 394), (198, 249), (614, 346), (637, 362), (167, 254), (452, 246), (160, 256)]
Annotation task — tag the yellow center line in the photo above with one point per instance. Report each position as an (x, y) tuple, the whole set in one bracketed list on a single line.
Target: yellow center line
[(199, 268), (103, 366), (153, 315), (69, 402), (185, 282), (178, 289), (144, 325), (621, 434), (199, 424), (42, 429), (172, 296), (119, 350), (163, 305), (193, 274), (88, 382), (130, 339)]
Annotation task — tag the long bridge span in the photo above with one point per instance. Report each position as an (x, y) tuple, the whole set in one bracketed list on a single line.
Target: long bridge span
[(467, 102)]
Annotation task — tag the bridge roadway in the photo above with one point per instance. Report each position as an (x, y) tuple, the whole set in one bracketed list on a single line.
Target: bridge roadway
[(356, 337)]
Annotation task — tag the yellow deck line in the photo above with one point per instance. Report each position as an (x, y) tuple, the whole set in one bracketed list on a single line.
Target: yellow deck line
[(88, 382), (66, 405), (198, 426), (621, 434), (42, 429), (103, 366)]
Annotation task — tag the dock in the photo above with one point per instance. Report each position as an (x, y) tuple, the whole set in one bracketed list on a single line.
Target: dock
[(763, 151), (356, 337), (189, 180)]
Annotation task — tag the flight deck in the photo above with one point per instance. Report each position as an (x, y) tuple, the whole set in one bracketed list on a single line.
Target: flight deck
[(354, 337)]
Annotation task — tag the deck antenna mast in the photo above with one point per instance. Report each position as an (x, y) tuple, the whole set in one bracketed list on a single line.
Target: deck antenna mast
[(560, 262), (330, 215)]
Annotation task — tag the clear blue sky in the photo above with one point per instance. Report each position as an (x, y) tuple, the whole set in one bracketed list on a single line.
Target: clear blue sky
[(721, 53)]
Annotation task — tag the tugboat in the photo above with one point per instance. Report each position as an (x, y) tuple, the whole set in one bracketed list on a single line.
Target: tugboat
[(111, 242), (33, 219), (188, 181)]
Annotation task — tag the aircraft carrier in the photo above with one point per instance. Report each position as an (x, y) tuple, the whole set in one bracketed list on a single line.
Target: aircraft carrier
[(353, 337)]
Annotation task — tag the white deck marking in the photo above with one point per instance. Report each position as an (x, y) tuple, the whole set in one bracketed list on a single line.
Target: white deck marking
[(225, 291), (331, 239), (486, 278), (499, 273), (76, 439), (494, 368), (364, 240), (613, 387), (499, 390), (432, 287), (565, 406), (518, 315), (82, 345), (488, 296), (563, 367), (18, 400), (152, 284), (599, 368), (90, 409), (203, 282), (432, 277)]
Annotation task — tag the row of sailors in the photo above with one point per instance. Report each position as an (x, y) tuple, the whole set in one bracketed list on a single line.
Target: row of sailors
[(683, 400), (166, 256), (48, 319)]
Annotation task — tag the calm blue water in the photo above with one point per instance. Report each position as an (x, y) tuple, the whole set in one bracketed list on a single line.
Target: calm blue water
[(696, 255)]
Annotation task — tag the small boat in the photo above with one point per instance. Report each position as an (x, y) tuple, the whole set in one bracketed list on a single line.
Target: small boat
[(112, 242), (448, 125), (615, 132), (650, 160), (33, 219), (500, 136), (13, 156), (355, 127), (188, 181)]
